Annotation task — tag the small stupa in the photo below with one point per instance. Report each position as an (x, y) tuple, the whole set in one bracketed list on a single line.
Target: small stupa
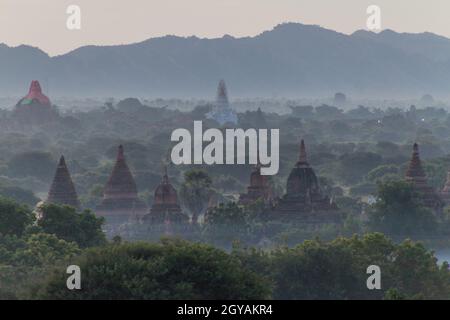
[(259, 188), (165, 208)]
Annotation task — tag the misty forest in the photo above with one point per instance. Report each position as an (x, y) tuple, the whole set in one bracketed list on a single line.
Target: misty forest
[(90, 182)]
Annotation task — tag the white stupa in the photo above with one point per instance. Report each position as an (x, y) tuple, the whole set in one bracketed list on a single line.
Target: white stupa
[(222, 112)]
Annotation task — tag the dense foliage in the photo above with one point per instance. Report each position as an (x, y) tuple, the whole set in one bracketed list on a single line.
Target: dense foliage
[(174, 269), (337, 269), (14, 217), (66, 223), (359, 154), (171, 269), (399, 211)]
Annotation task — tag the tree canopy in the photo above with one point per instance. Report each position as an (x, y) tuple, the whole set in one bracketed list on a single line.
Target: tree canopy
[(171, 269)]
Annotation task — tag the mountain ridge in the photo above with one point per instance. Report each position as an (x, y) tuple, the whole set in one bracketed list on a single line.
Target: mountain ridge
[(290, 60)]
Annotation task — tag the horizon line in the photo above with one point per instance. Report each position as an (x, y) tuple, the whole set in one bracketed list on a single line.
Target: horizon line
[(214, 38)]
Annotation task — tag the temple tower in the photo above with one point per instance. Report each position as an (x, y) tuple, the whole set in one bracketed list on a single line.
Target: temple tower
[(62, 189), (259, 188), (120, 196), (222, 112), (222, 96), (304, 200), (417, 177), (165, 208)]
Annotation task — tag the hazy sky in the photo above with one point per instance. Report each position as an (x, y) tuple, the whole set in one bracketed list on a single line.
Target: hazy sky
[(42, 23)]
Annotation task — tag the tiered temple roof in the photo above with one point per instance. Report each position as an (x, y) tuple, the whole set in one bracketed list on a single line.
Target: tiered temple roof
[(62, 190), (417, 177), (304, 200), (165, 208), (120, 197), (259, 188)]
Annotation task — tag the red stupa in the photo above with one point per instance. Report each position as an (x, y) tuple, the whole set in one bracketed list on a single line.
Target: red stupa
[(35, 107), (35, 95)]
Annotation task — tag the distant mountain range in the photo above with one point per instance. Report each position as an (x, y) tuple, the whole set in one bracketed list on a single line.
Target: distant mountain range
[(292, 60)]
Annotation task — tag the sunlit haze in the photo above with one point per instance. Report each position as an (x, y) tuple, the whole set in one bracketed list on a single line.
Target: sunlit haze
[(43, 23)]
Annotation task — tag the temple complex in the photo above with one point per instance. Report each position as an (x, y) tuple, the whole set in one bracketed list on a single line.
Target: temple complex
[(120, 197), (417, 177), (35, 107), (304, 200), (165, 208), (222, 112), (259, 188), (62, 189)]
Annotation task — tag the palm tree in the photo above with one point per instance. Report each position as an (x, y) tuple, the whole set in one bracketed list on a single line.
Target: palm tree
[(195, 192)]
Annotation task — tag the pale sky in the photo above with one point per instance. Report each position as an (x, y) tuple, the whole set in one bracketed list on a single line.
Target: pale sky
[(42, 23)]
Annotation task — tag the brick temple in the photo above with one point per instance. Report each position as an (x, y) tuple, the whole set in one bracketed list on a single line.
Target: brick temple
[(417, 177), (304, 200), (165, 208), (120, 196), (259, 188), (62, 190)]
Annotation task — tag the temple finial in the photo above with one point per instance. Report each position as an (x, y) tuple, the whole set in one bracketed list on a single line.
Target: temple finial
[(165, 176), (302, 156), (120, 154), (62, 162)]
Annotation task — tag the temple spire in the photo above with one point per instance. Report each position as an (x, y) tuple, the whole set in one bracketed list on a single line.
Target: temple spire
[(120, 154), (222, 95), (121, 183), (62, 189), (302, 158), (62, 162), (417, 177), (165, 179), (415, 169), (120, 196)]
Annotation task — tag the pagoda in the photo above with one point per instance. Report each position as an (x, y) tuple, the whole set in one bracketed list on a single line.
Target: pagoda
[(62, 190), (222, 112), (35, 107), (304, 200), (120, 197), (259, 188), (165, 208), (417, 177)]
